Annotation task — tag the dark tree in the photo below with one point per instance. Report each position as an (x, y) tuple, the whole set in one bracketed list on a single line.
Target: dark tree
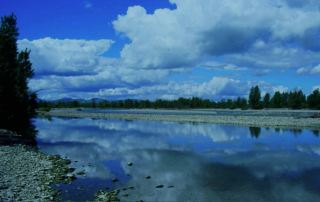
[(266, 100), (276, 100), (255, 98), (93, 103), (284, 100), (230, 104), (296, 100), (17, 102), (75, 103), (241, 103), (313, 100)]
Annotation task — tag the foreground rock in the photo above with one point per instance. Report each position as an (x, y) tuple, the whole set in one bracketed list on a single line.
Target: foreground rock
[(26, 174), (104, 196)]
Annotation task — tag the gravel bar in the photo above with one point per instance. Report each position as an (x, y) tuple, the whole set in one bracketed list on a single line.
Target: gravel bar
[(26, 174), (261, 118)]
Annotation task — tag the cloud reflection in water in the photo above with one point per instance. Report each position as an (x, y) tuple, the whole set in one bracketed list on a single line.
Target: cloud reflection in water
[(204, 162)]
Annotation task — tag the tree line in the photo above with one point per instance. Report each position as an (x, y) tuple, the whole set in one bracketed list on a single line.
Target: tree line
[(293, 100)]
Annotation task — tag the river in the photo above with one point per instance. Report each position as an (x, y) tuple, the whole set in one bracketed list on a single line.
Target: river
[(169, 161)]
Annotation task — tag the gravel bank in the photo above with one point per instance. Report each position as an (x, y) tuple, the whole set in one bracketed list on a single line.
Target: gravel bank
[(261, 118), (26, 174)]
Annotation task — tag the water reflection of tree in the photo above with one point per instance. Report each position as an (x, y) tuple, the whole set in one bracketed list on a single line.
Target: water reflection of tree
[(296, 131), (255, 131), (316, 132)]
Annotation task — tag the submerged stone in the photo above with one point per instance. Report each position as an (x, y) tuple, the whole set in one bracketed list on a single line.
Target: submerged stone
[(81, 172), (70, 170)]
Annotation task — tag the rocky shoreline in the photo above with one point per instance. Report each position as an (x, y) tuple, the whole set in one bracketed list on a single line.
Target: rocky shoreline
[(27, 174), (256, 118)]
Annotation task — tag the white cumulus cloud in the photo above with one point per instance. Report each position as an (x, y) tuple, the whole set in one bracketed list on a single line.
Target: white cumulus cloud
[(198, 28), (236, 37), (65, 56)]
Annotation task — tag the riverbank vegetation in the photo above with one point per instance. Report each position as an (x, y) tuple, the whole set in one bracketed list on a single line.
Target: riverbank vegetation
[(294, 100)]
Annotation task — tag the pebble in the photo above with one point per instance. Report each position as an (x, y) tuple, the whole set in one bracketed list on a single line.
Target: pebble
[(26, 174)]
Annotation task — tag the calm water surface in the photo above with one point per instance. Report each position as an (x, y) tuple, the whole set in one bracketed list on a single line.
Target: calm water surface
[(193, 162)]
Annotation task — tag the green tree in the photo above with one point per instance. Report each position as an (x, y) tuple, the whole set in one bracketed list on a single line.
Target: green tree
[(241, 103), (17, 102), (296, 100), (313, 100), (255, 98), (75, 103), (230, 104), (284, 100), (276, 100), (266, 100)]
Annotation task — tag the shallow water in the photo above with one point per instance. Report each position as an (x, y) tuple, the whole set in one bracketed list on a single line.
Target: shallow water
[(193, 162)]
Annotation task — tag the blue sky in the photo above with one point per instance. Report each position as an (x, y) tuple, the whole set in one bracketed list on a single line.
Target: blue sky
[(116, 49)]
